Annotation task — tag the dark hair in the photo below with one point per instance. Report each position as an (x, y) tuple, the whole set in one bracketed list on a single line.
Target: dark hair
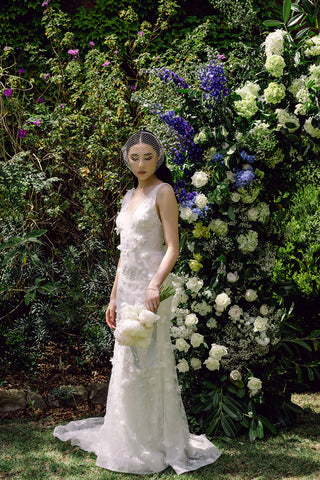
[(144, 136)]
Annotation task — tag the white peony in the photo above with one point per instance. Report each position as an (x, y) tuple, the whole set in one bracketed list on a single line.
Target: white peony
[(235, 375), (196, 339), (191, 320), (232, 277), (222, 301), (254, 384), (201, 201), (199, 179), (217, 351), (212, 364), (183, 366), (148, 318), (195, 363), (260, 324), (182, 345), (251, 295), (235, 313)]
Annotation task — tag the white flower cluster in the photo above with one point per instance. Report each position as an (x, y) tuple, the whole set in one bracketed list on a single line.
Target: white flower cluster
[(247, 106), (275, 65), (135, 326), (194, 284), (309, 128), (199, 179), (274, 43), (254, 385), (284, 118), (215, 354), (219, 227), (313, 46), (203, 308), (274, 93), (248, 242), (222, 301), (260, 213)]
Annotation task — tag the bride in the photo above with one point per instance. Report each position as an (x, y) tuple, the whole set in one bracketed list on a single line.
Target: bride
[(145, 428)]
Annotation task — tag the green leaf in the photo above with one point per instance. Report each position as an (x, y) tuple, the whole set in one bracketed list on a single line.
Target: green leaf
[(303, 33), (236, 415), (260, 431), (37, 233), (252, 430), (209, 385), (231, 213), (228, 426), (213, 425), (302, 344), (268, 424), (286, 9), (307, 6), (272, 23), (295, 20)]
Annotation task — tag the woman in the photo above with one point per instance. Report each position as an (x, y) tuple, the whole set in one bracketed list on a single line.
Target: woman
[(145, 427)]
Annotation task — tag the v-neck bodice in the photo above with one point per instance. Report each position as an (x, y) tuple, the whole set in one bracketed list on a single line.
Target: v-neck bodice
[(141, 228)]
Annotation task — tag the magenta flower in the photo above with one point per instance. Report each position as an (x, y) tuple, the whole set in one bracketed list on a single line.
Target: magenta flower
[(91, 44), (46, 3), (62, 106), (7, 92), (5, 48), (133, 87), (74, 53), (21, 70), (36, 122), (116, 52), (222, 57), (40, 100), (140, 33), (105, 64), (47, 76), (22, 133)]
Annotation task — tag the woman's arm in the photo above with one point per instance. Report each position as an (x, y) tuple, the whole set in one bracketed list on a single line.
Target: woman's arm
[(111, 310), (168, 213)]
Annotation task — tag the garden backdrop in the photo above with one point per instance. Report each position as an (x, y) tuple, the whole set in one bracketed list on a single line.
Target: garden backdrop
[(232, 88)]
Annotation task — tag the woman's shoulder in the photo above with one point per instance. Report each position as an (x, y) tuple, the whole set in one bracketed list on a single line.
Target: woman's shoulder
[(165, 193)]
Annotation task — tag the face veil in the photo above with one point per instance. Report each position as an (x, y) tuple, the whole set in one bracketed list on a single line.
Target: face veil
[(143, 136)]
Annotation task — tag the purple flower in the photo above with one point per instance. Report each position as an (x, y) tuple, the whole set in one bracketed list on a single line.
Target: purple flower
[(91, 44), (47, 76), (21, 70), (213, 80), (46, 3), (243, 178), (116, 52), (40, 100), (74, 53), (5, 48), (105, 64), (167, 76), (22, 133), (141, 33), (133, 87), (62, 106), (246, 157), (36, 122), (7, 92)]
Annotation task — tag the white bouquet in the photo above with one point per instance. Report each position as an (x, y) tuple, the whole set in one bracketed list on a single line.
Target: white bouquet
[(137, 323)]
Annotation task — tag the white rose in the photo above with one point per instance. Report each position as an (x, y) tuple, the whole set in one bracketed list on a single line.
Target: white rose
[(191, 320), (250, 295), (222, 301), (194, 284), (235, 375), (263, 341), (235, 197), (182, 345), (232, 277), (201, 201), (196, 339), (264, 309), (212, 364), (183, 366), (211, 323), (253, 214), (260, 324), (217, 351), (195, 363), (186, 213), (148, 318), (254, 384), (235, 312), (199, 179)]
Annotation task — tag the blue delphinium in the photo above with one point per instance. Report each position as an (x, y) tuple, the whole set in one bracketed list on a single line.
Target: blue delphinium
[(247, 158), (167, 75), (213, 80)]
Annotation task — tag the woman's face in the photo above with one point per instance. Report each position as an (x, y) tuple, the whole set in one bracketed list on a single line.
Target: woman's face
[(143, 161)]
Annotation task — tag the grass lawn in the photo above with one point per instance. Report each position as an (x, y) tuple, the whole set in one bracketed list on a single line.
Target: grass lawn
[(30, 452)]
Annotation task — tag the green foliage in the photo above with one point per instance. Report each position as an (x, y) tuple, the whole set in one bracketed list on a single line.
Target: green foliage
[(64, 394)]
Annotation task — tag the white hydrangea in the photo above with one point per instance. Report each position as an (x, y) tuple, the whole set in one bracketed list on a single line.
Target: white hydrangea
[(258, 128), (313, 46), (253, 214), (275, 65), (199, 179), (274, 43), (264, 212), (254, 385), (309, 128), (201, 201), (315, 75), (235, 313), (202, 308), (179, 332), (194, 284), (196, 340), (250, 89), (284, 117), (300, 109), (248, 242), (195, 363), (260, 324), (183, 366), (219, 227), (274, 93), (222, 301), (276, 157), (247, 107)]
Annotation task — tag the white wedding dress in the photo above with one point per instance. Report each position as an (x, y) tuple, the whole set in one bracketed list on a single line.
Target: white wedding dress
[(145, 427)]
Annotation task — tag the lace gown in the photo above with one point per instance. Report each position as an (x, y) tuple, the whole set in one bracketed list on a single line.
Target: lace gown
[(145, 427)]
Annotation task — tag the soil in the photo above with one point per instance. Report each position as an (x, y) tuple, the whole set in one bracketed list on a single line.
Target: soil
[(55, 369)]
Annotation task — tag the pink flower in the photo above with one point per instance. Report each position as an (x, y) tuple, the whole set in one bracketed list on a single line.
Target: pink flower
[(7, 92), (74, 53), (91, 44), (140, 33), (105, 64), (222, 57), (62, 106), (47, 76), (36, 122)]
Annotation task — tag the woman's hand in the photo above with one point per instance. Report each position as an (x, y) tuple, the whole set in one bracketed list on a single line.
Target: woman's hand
[(111, 314), (152, 300)]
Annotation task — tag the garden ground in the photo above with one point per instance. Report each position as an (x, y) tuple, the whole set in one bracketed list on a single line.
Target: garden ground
[(29, 451)]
